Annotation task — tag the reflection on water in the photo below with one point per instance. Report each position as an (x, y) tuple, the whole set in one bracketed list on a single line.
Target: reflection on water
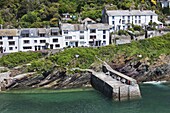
[(155, 99)]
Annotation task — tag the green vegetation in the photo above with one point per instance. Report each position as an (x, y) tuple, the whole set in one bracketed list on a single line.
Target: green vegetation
[(44, 13), (85, 57), (151, 48), (15, 59)]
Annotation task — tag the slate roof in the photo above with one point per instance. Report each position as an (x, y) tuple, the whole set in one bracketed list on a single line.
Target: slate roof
[(130, 13), (88, 20), (73, 27), (33, 32), (9, 32), (99, 26)]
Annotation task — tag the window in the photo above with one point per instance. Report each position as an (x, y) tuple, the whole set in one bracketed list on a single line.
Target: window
[(26, 41), (25, 35), (55, 40), (0, 37), (113, 22), (68, 37), (10, 37), (10, 48), (120, 21), (93, 37), (42, 41), (42, 35), (151, 17), (27, 47), (57, 45), (92, 31), (81, 37), (65, 31), (139, 17), (123, 17), (43, 47), (11, 42), (35, 41), (104, 31), (139, 21), (104, 42), (82, 42), (123, 27), (1, 43), (135, 17), (113, 27), (123, 21), (128, 21), (66, 43), (135, 21), (104, 36), (128, 17), (81, 31), (113, 17), (54, 33)]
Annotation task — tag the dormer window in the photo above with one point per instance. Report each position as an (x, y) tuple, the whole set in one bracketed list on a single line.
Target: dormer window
[(65, 31), (81, 31), (54, 32), (42, 35), (25, 33), (92, 30)]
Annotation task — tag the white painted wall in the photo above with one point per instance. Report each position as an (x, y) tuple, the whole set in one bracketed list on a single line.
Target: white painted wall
[(6, 46), (144, 20)]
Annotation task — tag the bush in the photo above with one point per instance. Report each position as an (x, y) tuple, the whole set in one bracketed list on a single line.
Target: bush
[(14, 59), (137, 28), (122, 32)]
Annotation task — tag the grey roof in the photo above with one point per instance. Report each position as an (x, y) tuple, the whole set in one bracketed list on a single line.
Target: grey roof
[(33, 32), (42, 30), (99, 26), (73, 27), (130, 12), (88, 20)]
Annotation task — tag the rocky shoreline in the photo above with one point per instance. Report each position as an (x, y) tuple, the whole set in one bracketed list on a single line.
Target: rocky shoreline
[(140, 69), (54, 80)]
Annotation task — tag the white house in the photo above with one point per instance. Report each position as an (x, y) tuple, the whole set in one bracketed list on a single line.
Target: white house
[(123, 19), (165, 3), (87, 34), (34, 39), (9, 40)]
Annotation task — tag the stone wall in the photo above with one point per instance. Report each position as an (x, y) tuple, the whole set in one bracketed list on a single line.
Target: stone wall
[(101, 86)]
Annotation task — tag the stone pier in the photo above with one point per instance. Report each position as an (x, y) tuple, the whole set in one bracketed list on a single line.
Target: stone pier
[(115, 85)]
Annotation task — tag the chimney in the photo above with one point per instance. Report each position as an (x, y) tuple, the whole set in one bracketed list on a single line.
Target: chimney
[(141, 9), (1, 26)]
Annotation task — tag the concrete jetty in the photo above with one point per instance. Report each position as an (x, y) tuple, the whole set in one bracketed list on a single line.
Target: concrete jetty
[(114, 84)]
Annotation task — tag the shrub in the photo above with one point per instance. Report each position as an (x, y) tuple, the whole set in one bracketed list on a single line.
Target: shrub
[(14, 59)]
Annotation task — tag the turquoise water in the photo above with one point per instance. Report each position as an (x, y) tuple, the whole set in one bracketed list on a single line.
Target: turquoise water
[(156, 99)]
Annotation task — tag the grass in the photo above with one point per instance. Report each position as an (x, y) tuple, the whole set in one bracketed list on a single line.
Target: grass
[(151, 48)]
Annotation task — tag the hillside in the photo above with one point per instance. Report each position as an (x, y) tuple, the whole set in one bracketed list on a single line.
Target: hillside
[(43, 13)]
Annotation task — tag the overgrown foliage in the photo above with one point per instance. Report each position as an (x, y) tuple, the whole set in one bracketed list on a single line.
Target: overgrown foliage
[(44, 13), (15, 59), (151, 48)]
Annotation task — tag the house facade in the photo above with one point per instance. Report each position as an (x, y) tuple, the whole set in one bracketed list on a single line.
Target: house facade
[(35, 39), (165, 3), (123, 19), (9, 40), (86, 34)]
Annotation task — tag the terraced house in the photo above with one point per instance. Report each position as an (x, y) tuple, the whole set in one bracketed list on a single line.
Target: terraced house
[(9, 40), (87, 34), (123, 19)]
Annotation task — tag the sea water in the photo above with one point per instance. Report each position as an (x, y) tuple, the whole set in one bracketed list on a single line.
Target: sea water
[(155, 99)]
